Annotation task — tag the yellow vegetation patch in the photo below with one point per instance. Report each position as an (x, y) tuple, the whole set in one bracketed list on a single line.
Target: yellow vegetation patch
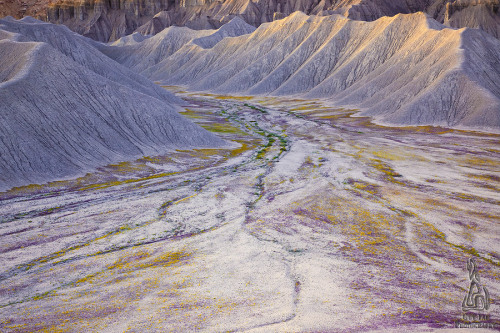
[(222, 128), (126, 181), (427, 129), (372, 232), (480, 161), (396, 154), (389, 173), (238, 98), (365, 186), (132, 262), (135, 261), (192, 114), (126, 167), (313, 106)]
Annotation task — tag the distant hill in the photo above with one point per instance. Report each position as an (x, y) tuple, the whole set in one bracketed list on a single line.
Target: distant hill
[(140, 56), (67, 108), (109, 20), (403, 70)]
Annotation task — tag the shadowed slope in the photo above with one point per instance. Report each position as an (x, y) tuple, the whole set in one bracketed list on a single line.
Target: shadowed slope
[(66, 108)]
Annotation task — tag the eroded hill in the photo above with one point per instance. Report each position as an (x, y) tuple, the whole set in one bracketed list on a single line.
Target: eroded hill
[(403, 70), (67, 108)]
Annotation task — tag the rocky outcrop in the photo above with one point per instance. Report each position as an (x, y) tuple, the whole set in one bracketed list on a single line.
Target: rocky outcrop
[(23, 8), (67, 108), (105, 20), (479, 14), (108, 20), (482, 14), (401, 70)]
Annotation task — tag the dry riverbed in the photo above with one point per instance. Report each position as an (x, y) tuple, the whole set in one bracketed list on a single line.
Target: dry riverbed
[(312, 221)]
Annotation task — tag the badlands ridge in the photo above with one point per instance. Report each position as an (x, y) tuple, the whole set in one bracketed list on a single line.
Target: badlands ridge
[(401, 70)]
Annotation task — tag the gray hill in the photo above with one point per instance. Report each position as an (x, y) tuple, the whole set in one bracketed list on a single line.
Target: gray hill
[(404, 70), (131, 39), (67, 108), (236, 27), (140, 56)]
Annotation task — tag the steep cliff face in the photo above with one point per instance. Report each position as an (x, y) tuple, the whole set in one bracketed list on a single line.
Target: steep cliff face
[(22, 8), (105, 20), (483, 14), (108, 20)]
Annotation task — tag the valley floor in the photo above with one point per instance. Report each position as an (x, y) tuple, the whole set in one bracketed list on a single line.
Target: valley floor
[(314, 221)]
